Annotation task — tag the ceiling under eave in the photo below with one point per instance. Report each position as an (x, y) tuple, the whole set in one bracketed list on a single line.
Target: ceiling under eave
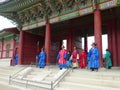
[(31, 12), (27, 11)]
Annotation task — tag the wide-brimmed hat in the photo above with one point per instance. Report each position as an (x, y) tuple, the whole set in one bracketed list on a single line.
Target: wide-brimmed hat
[(95, 44), (62, 46)]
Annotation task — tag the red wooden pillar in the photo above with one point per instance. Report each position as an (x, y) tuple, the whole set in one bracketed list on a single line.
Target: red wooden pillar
[(118, 41), (20, 56), (98, 32), (14, 47), (47, 42), (109, 32), (2, 48), (112, 27), (12, 61)]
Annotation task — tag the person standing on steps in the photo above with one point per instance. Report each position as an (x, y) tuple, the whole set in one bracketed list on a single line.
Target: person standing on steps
[(16, 59), (83, 59), (42, 59), (93, 57), (69, 60), (75, 58), (107, 60), (61, 57)]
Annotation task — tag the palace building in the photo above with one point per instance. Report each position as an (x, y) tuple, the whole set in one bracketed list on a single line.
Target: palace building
[(46, 23), (9, 43)]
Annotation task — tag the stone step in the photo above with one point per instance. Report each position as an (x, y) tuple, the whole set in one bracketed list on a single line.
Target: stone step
[(32, 85), (5, 70), (29, 76), (38, 73), (59, 88), (51, 74), (33, 73), (44, 81), (11, 68), (90, 81), (78, 86), (102, 71), (4, 79), (48, 78), (5, 74), (10, 87), (97, 75)]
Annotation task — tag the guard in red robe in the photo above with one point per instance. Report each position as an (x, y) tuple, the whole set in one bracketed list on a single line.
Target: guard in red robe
[(75, 57), (83, 59)]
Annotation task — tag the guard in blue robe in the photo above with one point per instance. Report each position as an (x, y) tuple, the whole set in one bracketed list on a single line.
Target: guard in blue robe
[(16, 59), (93, 58), (42, 59), (69, 60)]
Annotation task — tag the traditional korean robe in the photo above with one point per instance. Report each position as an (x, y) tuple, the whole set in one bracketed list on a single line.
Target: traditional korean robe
[(42, 59), (75, 57), (83, 59), (16, 59), (69, 60), (107, 60), (93, 58), (62, 59)]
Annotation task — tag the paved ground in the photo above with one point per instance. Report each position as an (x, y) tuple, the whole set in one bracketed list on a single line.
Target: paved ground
[(7, 87)]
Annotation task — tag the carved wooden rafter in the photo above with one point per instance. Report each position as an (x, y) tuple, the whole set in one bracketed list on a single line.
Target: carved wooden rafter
[(58, 6), (40, 10), (70, 3), (27, 16), (51, 6), (21, 17), (46, 8), (34, 14)]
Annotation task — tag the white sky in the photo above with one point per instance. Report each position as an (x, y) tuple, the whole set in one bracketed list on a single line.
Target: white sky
[(5, 23), (2, 0)]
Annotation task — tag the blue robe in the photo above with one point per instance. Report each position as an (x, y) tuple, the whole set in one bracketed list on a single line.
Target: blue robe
[(93, 58), (16, 59), (42, 59), (69, 63)]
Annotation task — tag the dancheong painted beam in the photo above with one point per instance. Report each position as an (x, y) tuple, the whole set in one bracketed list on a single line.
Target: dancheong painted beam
[(33, 13)]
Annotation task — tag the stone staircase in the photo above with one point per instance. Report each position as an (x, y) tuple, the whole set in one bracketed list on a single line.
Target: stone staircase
[(5, 72), (82, 79), (35, 78)]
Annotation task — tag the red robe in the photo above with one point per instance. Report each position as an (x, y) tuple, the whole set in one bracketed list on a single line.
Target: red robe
[(74, 56), (83, 59), (62, 59)]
